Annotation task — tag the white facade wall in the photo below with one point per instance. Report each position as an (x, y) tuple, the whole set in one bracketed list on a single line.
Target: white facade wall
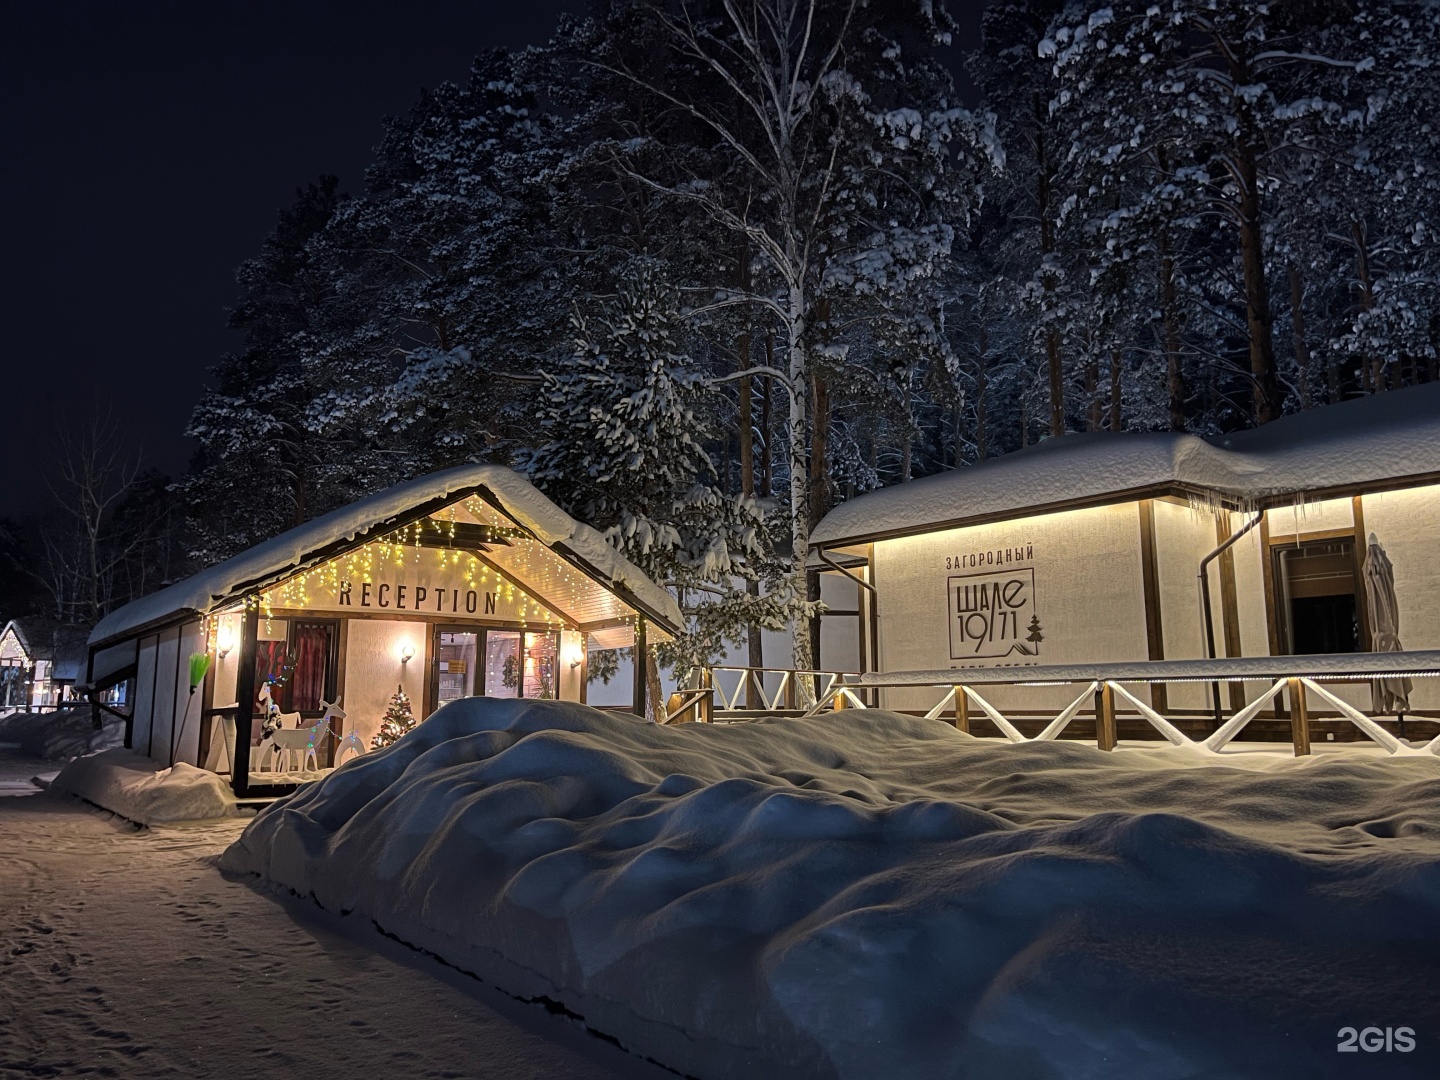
[(1184, 535), (162, 712), (226, 669), (373, 669), (572, 653), (185, 742), (1324, 515), (144, 708), (1088, 596)]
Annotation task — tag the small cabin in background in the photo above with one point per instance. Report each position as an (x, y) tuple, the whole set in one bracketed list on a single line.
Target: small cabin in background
[(465, 582), (40, 674)]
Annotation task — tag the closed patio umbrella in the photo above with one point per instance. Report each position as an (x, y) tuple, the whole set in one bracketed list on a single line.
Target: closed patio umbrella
[(1391, 695)]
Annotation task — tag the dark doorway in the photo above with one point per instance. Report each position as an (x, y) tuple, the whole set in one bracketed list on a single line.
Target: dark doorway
[(1317, 596)]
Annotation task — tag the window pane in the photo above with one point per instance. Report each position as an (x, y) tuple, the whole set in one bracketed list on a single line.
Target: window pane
[(540, 665), (312, 660), (502, 663), (455, 677)]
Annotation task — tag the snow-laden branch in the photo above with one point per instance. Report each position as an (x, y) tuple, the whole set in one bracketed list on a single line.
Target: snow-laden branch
[(761, 369)]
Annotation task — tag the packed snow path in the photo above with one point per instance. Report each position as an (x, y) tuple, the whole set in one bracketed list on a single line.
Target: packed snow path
[(124, 952)]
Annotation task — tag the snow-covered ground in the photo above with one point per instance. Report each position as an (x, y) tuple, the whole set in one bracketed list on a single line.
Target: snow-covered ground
[(126, 953), (873, 895)]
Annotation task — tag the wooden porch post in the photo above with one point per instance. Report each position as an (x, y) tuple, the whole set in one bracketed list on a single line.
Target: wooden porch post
[(962, 710), (639, 650), (1299, 719), (1105, 737), (244, 701)]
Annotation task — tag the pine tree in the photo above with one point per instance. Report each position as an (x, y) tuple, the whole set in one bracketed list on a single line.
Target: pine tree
[(398, 719), (625, 427)]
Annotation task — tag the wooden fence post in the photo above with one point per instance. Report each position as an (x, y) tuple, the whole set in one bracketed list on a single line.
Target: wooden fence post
[(1105, 737), (1299, 719)]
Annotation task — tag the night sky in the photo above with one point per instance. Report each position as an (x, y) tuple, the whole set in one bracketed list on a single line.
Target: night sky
[(147, 149)]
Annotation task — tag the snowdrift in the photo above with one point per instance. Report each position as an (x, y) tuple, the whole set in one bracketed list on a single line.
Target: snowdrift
[(135, 787), (873, 895), (60, 735)]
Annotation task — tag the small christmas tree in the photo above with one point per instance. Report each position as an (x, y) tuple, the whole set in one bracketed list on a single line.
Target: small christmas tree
[(1035, 635), (398, 719)]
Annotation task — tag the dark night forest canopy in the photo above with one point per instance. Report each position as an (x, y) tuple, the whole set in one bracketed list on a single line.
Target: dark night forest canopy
[(705, 269)]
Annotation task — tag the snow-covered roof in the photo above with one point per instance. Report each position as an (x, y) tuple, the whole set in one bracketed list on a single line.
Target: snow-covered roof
[(13, 645), (375, 516), (1375, 441)]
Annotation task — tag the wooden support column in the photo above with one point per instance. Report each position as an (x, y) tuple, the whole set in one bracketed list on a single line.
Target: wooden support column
[(1299, 719), (1105, 737), (245, 690), (962, 710), (640, 660)]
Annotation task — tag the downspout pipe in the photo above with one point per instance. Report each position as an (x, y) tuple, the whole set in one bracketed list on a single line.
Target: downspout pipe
[(1209, 617)]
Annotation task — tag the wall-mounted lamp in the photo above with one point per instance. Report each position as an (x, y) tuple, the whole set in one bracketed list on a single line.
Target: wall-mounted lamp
[(407, 652), (224, 641)]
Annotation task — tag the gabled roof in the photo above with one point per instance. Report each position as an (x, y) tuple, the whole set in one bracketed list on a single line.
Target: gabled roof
[(13, 628), (1383, 440), (376, 516)]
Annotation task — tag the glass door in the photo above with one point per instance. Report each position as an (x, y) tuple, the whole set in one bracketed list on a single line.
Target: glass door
[(521, 664), (455, 656), (503, 663)]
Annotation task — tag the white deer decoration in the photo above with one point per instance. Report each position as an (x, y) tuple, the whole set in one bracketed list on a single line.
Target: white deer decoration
[(298, 743), (267, 752)]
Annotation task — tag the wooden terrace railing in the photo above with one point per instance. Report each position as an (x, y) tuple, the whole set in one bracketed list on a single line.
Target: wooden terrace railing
[(1101, 685)]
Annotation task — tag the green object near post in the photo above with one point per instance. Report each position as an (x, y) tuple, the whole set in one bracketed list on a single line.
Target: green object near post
[(199, 665)]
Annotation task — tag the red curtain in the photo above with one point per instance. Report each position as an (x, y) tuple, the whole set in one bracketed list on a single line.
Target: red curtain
[(312, 655), (269, 664)]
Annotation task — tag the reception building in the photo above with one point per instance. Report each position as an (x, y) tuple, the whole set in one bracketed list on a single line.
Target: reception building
[(464, 582)]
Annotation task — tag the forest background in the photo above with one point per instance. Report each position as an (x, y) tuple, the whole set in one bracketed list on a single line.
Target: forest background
[(703, 269)]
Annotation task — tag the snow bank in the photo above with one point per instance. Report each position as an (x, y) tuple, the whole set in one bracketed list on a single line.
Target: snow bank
[(874, 895), (60, 735), (135, 787)]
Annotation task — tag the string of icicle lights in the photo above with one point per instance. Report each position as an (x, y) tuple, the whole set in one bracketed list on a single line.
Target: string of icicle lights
[(526, 559), (524, 556)]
